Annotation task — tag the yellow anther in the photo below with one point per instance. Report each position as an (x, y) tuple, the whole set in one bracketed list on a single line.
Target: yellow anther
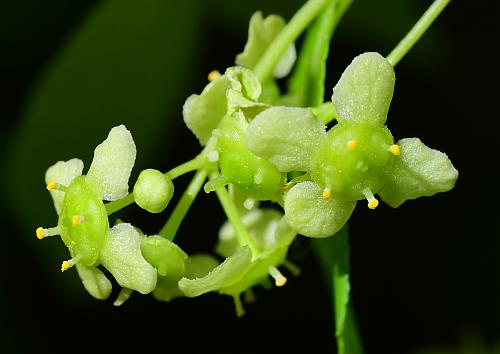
[(41, 233), (372, 204), (77, 220), (66, 265), (51, 185), (326, 193), (352, 144), (213, 75), (395, 150), (279, 279)]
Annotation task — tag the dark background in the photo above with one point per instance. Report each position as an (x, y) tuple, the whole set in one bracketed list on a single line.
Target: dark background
[(424, 276)]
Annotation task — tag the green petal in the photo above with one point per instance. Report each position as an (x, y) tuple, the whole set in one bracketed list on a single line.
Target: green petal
[(224, 275), (196, 266), (94, 281), (364, 91), (164, 255), (309, 214), (113, 161), (121, 255), (419, 171), (261, 225), (286, 136), (261, 33), (63, 172), (203, 113), (243, 93)]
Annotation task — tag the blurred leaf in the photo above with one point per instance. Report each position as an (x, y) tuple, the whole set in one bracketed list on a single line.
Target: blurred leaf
[(127, 65), (333, 256)]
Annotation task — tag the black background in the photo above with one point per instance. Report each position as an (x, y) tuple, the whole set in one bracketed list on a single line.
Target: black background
[(423, 276)]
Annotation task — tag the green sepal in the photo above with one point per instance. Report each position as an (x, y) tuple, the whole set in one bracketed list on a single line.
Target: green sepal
[(226, 274), (261, 33), (86, 240), (112, 164), (364, 91), (202, 113), (418, 171), (63, 172), (309, 214), (94, 281), (121, 255), (153, 190), (164, 255), (288, 137)]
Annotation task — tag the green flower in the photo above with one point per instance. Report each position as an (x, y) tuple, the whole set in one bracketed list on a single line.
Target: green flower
[(354, 160), (241, 270), (83, 220)]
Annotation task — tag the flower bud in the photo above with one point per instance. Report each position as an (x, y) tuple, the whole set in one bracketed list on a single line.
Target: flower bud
[(153, 190)]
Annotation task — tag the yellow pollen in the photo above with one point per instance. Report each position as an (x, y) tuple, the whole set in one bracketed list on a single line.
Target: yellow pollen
[(326, 194), (77, 220), (280, 281), (41, 233), (395, 150), (51, 185), (372, 204), (213, 75), (66, 265), (352, 144)]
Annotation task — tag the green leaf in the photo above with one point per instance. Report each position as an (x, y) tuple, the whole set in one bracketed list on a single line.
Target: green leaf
[(364, 91), (308, 79), (333, 255), (288, 137), (419, 171)]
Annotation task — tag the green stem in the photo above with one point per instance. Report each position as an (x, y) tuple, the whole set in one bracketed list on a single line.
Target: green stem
[(286, 37), (417, 31), (186, 167), (116, 205), (174, 221), (234, 218)]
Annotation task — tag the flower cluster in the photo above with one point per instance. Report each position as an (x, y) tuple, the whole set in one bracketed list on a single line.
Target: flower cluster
[(257, 147)]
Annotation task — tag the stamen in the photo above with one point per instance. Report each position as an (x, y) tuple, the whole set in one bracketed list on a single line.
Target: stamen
[(327, 193), (42, 232), (67, 264), (249, 296), (352, 144), (77, 220), (395, 150), (372, 201), (292, 268), (56, 186), (279, 279), (238, 306), (213, 75)]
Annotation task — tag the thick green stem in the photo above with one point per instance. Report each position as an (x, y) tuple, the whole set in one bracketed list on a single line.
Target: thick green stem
[(170, 229), (287, 36), (234, 218), (417, 31)]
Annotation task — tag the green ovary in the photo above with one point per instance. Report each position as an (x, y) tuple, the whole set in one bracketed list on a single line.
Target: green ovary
[(84, 240), (241, 167), (354, 158)]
